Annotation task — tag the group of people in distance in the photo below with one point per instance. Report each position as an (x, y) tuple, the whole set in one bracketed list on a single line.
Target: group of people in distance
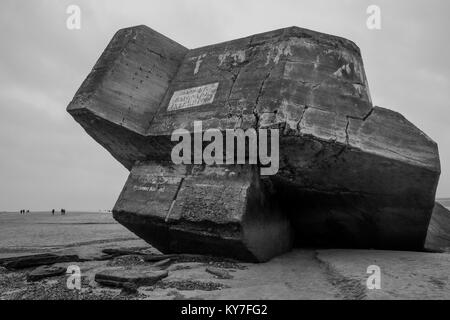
[(63, 212)]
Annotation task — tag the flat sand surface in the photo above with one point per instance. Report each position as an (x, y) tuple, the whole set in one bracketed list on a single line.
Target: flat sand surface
[(300, 274), (39, 232)]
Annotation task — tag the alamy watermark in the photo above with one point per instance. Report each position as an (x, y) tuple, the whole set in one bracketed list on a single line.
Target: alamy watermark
[(374, 20), (73, 21), (74, 279), (236, 141), (374, 280)]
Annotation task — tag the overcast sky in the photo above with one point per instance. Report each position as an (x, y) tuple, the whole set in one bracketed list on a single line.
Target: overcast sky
[(48, 161)]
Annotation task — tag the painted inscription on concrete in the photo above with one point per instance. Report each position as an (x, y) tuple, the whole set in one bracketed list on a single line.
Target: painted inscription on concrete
[(193, 97)]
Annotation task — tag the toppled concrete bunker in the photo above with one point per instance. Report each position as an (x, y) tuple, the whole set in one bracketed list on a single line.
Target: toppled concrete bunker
[(350, 174)]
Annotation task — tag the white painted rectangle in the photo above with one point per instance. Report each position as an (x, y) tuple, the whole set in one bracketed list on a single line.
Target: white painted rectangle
[(193, 97)]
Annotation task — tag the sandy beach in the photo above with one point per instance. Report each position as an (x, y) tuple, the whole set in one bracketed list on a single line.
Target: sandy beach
[(300, 274)]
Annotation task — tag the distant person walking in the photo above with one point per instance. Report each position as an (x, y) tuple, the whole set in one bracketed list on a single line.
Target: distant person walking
[(53, 212)]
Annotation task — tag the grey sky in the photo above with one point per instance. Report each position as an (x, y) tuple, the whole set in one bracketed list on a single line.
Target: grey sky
[(48, 161)]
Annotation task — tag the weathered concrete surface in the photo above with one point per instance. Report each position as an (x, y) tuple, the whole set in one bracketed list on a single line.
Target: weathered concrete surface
[(350, 174), (375, 190), (38, 260), (122, 93), (43, 272), (404, 275), (119, 278), (438, 237), (213, 210)]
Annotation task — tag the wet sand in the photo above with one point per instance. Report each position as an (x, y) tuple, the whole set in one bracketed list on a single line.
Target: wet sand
[(40, 232)]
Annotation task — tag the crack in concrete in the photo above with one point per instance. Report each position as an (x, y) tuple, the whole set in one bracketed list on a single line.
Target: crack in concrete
[(258, 97), (299, 123), (363, 119), (156, 53)]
